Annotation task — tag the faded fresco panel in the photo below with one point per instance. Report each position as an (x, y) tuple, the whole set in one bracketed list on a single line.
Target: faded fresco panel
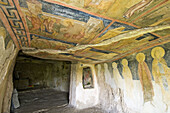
[(150, 67), (62, 23), (148, 59)]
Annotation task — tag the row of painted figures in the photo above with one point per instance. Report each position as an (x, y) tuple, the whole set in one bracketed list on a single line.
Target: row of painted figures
[(160, 72)]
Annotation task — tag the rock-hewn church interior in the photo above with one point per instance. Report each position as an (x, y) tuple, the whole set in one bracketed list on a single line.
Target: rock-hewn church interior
[(84, 56)]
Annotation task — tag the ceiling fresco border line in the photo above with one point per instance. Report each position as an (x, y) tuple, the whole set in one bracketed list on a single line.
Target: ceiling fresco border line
[(94, 14), (102, 51), (78, 57), (73, 7), (10, 11), (101, 32), (86, 11), (148, 11), (127, 27), (141, 48), (166, 36), (145, 46), (9, 29), (23, 20), (58, 5), (65, 57), (62, 41)]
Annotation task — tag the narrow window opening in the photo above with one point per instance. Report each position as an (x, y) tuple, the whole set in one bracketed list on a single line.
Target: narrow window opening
[(87, 78)]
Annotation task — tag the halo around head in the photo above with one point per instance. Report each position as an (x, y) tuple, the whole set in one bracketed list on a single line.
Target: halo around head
[(114, 65), (140, 57), (105, 65), (160, 50), (124, 62)]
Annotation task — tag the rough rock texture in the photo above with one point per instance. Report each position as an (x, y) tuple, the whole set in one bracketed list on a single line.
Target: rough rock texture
[(111, 98), (42, 73), (49, 101), (7, 61)]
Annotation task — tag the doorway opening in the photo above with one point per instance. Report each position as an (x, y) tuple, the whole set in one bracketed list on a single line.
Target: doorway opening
[(39, 84)]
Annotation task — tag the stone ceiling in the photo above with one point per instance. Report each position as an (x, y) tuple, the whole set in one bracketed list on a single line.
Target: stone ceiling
[(86, 30)]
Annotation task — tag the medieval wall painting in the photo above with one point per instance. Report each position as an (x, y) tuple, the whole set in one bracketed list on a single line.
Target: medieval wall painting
[(116, 75), (145, 77), (109, 79), (60, 26), (87, 78), (145, 74), (161, 72), (60, 22), (126, 72)]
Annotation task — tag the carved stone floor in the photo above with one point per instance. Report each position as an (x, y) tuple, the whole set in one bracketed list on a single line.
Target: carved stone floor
[(48, 101)]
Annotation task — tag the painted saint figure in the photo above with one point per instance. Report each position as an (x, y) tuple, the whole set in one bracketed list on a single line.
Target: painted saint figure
[(116, 75), (161, 72), (145, 78), (128, 78)]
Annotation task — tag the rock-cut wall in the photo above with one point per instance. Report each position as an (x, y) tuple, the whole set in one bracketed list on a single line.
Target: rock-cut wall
[(39, 73), (8, 54)]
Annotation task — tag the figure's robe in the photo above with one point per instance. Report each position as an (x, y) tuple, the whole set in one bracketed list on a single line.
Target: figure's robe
[(146, 81)]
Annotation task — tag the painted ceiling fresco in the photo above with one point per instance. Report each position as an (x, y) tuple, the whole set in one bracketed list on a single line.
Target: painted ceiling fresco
[(86, 30)]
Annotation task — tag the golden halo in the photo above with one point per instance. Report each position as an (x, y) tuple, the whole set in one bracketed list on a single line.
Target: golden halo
[(140, 57), (159, 49), (105, 65), (124, 62), (114, 65)]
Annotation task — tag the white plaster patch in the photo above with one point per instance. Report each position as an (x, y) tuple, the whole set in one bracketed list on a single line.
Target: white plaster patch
[(86, 97)]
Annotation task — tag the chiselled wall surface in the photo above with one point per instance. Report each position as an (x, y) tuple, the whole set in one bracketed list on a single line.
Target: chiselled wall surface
[(42, 74), (8, 53), (139, 83)]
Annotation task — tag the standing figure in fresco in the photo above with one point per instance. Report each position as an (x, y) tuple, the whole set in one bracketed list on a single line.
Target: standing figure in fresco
[(145, 78), (116, 75), (108, 78), (128, 78), (161, 72)]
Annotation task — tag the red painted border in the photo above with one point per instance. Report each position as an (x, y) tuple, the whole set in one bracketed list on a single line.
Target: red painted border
[(86, 11), (6, 24), (142, 48), (149, 10), (101, 32), (23, 20), (83, 10)]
